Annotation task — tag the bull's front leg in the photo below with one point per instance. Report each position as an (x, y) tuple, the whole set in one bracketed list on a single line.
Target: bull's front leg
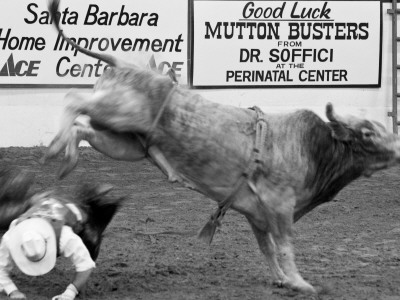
[(275, 209), (282, 209), (160, 160), (296, 281), (268, 248)]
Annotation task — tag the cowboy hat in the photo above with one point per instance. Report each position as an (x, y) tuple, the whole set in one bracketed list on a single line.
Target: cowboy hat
[(32, 245)]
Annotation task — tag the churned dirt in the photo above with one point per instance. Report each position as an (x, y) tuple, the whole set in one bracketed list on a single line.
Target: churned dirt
[(348, 249)]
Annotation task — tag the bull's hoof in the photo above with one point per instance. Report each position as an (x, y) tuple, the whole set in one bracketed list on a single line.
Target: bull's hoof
[(303, 287), (173, 178), (43, 160), (309, 289), (278, 283), (66, 167), (47, 156)]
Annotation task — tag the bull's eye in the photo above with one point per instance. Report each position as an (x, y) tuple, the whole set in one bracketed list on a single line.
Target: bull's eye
[(367, 134)]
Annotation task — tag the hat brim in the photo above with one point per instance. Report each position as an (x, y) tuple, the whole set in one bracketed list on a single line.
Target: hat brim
[(14, 242)]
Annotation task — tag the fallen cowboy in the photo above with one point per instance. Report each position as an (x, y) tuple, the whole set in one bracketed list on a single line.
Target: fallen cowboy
[(271, 168), (43, 226)]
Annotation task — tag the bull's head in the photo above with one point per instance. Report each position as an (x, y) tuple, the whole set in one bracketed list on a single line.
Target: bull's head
[(369, 140)]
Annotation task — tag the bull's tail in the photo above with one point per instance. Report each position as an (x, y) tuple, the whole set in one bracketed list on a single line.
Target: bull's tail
[(15, 192), (111, 60)]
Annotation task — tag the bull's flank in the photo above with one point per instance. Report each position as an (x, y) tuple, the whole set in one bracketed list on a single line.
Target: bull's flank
[(304, 161)]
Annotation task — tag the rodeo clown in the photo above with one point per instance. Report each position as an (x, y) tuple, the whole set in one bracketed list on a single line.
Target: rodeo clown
[(55, 226)]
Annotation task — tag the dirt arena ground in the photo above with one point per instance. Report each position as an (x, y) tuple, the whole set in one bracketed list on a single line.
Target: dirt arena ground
[(348, 249)]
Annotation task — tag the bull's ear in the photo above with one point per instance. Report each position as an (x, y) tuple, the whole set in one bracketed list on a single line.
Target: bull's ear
[(340, 132)]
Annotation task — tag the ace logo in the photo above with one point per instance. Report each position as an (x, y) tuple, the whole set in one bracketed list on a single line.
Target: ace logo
[(20, 68)]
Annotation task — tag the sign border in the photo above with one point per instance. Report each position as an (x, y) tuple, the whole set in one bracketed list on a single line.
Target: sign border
[(90, 86), (191, 62)]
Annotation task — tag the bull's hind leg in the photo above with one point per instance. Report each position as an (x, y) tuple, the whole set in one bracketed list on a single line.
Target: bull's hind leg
[(81, 130), (119, 146), (116, 145), (71, 153), (98, 106), (77, 106)]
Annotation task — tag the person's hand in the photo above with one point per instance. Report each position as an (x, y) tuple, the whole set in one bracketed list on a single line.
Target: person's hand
[(69, 294), (17, 295)]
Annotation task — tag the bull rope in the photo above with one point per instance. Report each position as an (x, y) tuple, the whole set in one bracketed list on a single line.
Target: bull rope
[(207, 232), (146, 141), (158, 116)]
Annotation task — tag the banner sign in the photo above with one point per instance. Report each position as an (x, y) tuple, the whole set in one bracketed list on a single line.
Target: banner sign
[(149, 33), (285, 44)]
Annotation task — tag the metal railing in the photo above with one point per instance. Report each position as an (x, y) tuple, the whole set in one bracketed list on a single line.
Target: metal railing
[(395, 95)]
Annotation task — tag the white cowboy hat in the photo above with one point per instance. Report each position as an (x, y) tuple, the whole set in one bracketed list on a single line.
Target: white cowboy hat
[(32, 245)]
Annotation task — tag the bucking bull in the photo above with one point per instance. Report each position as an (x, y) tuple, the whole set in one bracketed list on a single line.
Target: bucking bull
[(271, 168)]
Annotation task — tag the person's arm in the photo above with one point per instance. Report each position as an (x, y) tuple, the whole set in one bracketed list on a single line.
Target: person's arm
[(72, 247), (6, 266), (81, 278)]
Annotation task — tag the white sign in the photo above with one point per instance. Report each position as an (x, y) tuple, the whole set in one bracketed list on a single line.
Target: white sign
[(150, 33), (286, 43)]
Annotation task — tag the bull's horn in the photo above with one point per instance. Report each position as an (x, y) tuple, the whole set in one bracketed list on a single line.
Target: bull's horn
[(332, 116), (329, 112)]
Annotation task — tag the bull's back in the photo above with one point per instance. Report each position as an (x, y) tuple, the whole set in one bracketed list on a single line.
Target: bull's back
[(212, 144), (206, 143)]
